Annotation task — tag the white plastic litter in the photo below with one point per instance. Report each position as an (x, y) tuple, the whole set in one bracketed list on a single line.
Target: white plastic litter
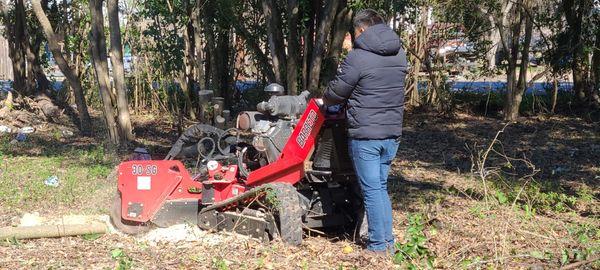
[(67, 133), (52, 181), (27, 130), (5, 129)]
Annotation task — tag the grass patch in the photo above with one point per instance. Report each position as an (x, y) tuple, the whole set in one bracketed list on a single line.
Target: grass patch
[(81, 169)]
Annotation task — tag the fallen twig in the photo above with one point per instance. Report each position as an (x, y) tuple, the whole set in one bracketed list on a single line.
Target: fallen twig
[(499, 259), (581, 263)]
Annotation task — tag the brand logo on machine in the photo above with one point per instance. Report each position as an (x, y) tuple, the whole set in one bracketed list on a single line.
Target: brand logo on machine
[(307, 127)]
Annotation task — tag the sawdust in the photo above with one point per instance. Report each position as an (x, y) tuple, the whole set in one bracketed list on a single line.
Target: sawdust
[(31, 219), (179, 233)]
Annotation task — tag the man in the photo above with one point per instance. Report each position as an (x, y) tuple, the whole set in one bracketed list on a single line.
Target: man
[(370, 82)]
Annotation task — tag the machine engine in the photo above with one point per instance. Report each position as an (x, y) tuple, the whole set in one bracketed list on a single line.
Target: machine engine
[(273, 123)]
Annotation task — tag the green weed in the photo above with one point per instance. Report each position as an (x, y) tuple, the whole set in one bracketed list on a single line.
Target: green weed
[(91, 236), (219, 264), (271, 198), (529, 211), (124, 262), (466, 264), (585, 233), (477, 211), (501, 197), (413, 253)]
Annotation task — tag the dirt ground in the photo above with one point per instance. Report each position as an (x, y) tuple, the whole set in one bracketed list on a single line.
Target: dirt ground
[(509, 221)]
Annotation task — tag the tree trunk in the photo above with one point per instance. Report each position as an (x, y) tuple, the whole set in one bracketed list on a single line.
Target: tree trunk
[(71, 76), (511, 108), (326, 20), (275, 37), (198, 46), (293, 49), (186, 75), (222, 68), (99, 59), (492, 54), (554, 94), (417, 53), (211, 50), (38, 75), (16, 37), (116, 57), (517, 88), (594, 93), (517, 95), (574, 15), (309, 36), (342, 24)]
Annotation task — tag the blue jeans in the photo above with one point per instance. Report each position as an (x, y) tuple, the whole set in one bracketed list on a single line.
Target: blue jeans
[(372, 160)]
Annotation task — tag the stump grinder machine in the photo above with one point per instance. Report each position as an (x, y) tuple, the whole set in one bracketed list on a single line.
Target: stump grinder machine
[(283, 170)]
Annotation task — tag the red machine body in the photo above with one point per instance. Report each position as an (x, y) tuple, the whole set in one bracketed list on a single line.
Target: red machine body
[(145, 186)]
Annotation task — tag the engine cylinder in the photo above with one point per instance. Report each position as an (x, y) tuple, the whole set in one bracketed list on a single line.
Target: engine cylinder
[(247, 120)]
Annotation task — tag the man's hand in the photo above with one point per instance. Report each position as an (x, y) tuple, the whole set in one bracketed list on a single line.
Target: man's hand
[(334, 109)]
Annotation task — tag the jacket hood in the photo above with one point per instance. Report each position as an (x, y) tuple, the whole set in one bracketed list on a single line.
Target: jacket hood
[(379, 39)]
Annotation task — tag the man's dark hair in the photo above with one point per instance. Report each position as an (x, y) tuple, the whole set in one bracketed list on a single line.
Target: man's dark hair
[(367, 18)]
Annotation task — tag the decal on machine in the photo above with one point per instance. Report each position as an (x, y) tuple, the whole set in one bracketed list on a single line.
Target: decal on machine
[(137, 169), (307, 128), (144, 182)]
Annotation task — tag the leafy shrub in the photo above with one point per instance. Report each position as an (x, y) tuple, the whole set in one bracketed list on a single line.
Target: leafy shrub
[(413, 252)]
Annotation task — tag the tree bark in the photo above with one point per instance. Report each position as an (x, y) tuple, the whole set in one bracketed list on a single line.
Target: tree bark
[(37, 73), (293, 49), (275, 38), (341, 27), (513, 22), (198, 45), (186, 75), (492, 54), (71, 76), (326, 20), (308, 37), (342, 24), (211, 48), (516, 95), (99, 59), (554, 95), (223, 65), (15, 27), (116, 57), (595, 90), (574, 15)]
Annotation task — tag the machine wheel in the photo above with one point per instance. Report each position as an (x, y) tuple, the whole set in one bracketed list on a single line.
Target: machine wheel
[(288, 213), (125, 226)]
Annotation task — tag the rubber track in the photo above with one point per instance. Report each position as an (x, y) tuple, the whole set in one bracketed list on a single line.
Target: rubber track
[(289, 213)]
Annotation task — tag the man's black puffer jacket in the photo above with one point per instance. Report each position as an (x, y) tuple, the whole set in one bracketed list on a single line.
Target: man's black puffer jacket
[(371, 79)]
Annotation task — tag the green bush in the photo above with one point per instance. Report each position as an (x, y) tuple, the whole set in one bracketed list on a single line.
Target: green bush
[(414, 253)]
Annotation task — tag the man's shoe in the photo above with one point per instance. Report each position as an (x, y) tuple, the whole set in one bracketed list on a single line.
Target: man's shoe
[(376, 253)]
